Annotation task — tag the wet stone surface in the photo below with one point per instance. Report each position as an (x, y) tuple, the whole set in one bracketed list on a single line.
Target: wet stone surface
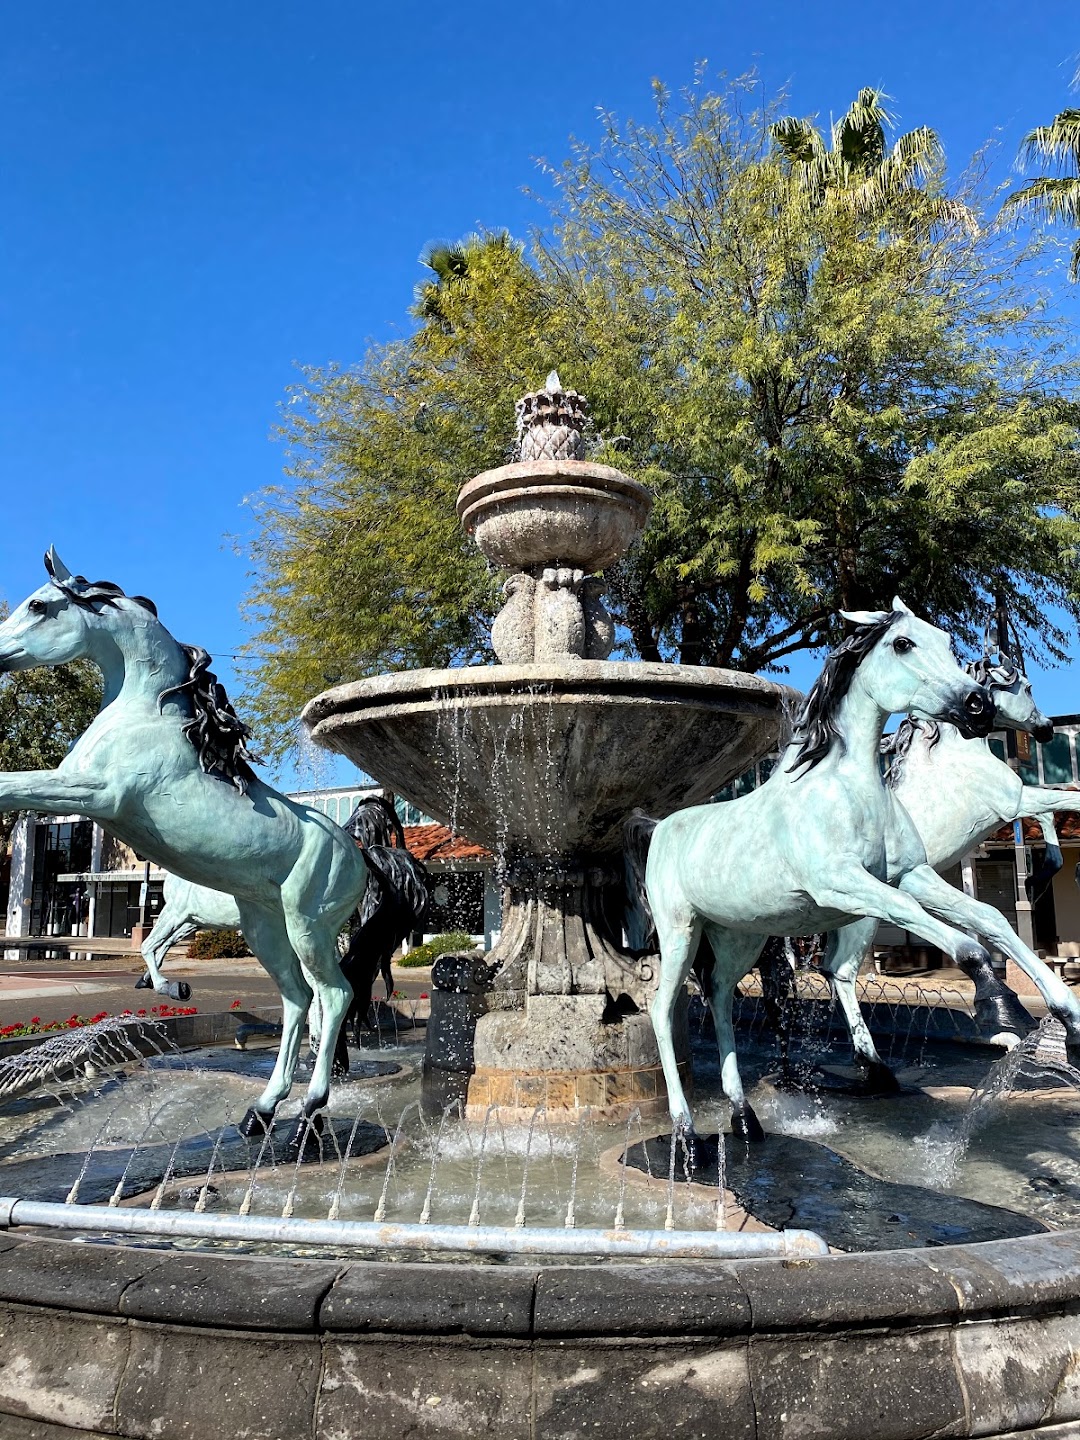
[(792, 1182)]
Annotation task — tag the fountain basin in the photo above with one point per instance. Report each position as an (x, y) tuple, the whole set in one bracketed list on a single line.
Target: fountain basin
[(549, 759), (554, 512)]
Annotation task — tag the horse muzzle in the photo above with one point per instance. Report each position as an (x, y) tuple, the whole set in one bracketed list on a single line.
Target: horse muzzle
[(1043, 732), (975, 716)]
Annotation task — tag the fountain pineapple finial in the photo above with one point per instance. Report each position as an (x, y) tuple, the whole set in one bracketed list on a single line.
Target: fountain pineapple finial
[(551, 422)]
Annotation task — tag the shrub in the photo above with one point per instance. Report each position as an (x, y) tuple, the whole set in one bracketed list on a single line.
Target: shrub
[(429, 953), (217, 945)]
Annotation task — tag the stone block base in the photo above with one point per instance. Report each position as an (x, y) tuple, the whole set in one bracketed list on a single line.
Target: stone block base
[(569, 1053), (1018, 980), (608, 1094)]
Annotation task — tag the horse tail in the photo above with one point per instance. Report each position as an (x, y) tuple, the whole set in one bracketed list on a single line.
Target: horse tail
[(637, 837)]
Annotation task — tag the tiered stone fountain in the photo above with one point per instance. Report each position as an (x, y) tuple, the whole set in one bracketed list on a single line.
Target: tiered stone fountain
[(541, 758)]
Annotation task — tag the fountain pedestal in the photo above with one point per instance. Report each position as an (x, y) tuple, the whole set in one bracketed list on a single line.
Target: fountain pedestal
[(542, 758)]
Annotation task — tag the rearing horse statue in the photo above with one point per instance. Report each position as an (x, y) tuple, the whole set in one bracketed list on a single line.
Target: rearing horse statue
[(164, 764), (820, 844)]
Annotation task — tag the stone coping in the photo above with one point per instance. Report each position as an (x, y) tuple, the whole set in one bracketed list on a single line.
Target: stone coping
[(109, 1340), (707, 685)]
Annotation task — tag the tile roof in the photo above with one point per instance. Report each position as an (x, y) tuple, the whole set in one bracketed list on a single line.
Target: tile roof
[(1067, 826), (437, 842)]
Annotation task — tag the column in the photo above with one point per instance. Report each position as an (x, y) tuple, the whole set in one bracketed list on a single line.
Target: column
[(22, 881)]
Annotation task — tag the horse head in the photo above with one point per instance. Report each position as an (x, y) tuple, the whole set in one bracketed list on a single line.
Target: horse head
[(909, 668), (1010, 690), (51, 626)]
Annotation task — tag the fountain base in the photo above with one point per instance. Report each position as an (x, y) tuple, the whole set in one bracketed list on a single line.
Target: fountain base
[(570, 1053)]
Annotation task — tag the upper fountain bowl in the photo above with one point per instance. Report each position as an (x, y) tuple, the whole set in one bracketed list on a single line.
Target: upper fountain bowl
[(553, 512)]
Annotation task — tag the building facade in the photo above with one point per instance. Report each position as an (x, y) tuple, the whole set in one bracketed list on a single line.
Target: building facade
[(70, 877)]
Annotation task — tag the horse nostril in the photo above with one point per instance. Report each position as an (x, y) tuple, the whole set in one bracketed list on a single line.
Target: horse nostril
[(1043, 733), (975, 704)]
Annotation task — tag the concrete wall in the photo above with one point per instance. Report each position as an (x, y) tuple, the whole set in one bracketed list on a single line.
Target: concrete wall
[(102, 1340)]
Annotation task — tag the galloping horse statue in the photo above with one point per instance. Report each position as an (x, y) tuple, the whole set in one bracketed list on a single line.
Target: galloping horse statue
[(958, 792), (821, 844), (165, 766)]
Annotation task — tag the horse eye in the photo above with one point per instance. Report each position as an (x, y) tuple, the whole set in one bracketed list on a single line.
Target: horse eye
[(902, 645), (37, 607)]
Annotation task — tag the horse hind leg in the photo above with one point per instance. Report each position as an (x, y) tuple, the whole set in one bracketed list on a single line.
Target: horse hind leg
[(678, 946), (735, 954), (268, 937), (314, 941), (844, 952)]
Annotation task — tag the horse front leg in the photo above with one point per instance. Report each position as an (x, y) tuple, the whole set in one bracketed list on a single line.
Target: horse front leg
[(953, 905), (51, 791), (843, 956), (168, 930)]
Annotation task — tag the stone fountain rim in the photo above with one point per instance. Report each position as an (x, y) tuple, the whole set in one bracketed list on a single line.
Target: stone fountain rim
[(569, 681), (282, 1337)]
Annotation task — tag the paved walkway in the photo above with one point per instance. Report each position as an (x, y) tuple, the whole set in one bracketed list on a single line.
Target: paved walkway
[(54, 989)]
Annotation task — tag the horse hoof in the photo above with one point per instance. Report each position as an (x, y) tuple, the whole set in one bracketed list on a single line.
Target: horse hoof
[(746, 1126), (702, 1153), (255, 1124), (304, 1142), (144, 982), (179, 990), (1003, 1014), (877, 1079)]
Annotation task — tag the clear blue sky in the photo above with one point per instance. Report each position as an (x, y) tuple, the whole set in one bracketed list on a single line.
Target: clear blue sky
[(197, 196)]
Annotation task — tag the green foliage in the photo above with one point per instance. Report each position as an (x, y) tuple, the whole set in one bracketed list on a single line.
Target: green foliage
[(42, 713), (428, 953), (836, 376), (217, 945)]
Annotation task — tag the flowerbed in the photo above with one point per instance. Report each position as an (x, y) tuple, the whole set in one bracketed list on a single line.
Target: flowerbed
[(37, 1026)]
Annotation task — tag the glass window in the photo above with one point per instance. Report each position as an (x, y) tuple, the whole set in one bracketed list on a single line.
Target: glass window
[(1057, 760), (1029, 769), (998, 747)]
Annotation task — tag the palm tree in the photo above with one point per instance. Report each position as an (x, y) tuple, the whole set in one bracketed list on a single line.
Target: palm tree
[(1053, 197), (856, 168), (454, 269)]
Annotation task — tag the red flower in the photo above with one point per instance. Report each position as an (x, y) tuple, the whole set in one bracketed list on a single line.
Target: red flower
[(35, 1020), (235, 1005), (423, 995)]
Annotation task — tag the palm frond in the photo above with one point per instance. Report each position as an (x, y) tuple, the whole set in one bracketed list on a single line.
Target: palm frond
[(1058, 142), (1050, 197)]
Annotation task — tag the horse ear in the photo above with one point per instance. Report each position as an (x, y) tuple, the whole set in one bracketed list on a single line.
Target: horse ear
[(899, 605), (865, 617), (55, 566)]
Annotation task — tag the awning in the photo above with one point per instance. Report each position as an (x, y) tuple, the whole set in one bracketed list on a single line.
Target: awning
[(102, 876)]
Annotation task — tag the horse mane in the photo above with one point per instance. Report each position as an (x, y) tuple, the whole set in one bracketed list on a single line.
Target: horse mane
[(994, 670), (816, 729), (215, 729), (375, 822), (899, 743)]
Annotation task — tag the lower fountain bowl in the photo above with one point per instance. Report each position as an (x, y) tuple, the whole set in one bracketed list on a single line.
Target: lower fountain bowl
[(549, 759)]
